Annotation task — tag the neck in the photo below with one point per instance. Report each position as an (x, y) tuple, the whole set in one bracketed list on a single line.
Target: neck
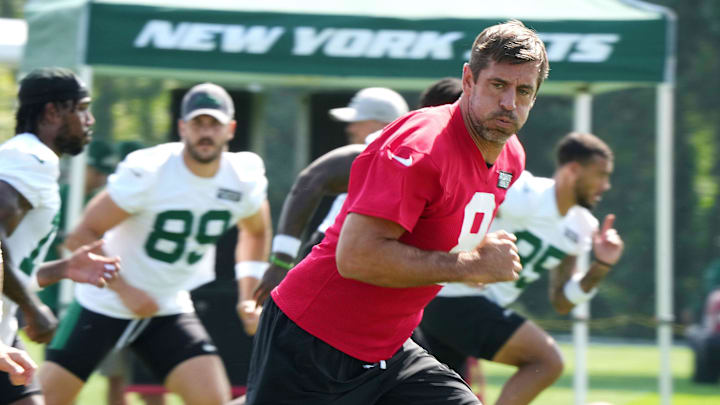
[(201, 169), (564, 193)]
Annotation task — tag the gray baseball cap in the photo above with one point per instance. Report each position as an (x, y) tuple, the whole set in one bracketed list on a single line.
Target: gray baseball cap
[(373, 103), (210, 99)]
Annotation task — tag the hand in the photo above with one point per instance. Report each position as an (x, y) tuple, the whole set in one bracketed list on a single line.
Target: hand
[(607, 244), (88, 265), (272, 277), (495, 259), (41, 323), (135, 299), (249, 315), (18, 364)]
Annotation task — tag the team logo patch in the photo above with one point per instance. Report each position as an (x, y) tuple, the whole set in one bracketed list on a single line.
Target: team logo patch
[(504, 179), (572, 235), (232, 195)]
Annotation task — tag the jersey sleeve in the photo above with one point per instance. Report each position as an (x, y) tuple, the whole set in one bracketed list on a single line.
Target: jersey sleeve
[(394, 184), (30, 175), (251, 171), (132, 179), (589, 226)]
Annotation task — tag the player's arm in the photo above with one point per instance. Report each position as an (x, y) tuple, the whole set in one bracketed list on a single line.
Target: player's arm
[(369, 251), (568, 287), (101, 215), (41, 323), (327, 175), (251, 253)]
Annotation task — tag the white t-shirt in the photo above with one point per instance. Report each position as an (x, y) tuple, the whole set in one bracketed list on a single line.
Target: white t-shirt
[(544, 237), (32, 169), (176, 219)]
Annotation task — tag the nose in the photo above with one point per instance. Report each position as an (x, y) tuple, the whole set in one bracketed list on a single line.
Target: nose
[(508, 99), (89, 119)]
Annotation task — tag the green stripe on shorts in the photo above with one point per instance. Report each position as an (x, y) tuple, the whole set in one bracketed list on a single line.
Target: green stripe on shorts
[(67, 325)]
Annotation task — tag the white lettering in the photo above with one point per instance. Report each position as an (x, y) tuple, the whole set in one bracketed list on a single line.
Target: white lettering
[(256, 39), (160, 34), (559, 45), (594, 48), (307, 41), (434, 45), (349, 42), (201, 37), (208, 37), (391, 43)]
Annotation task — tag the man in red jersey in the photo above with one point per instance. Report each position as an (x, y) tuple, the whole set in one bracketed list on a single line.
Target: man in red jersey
[(420, 201)]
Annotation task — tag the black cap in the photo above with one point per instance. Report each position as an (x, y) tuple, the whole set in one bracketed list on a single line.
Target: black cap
[(210, 99), (51, 84)]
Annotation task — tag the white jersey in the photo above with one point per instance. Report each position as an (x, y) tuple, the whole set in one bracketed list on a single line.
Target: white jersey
[(32, 169), (176, 218), (544, 237)]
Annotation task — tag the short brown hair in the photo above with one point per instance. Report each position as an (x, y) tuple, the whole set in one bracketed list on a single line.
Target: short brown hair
[(510, 42), (582, 148)]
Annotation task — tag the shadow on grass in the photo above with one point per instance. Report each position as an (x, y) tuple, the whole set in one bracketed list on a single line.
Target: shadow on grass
[(620, 382)]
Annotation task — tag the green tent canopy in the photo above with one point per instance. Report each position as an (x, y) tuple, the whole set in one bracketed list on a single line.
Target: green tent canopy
[(604, 44)]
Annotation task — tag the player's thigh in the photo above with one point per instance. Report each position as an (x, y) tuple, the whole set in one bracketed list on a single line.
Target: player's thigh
[(471, 325), (423, 380), (200, 380), (169, 341), (529, 344), (83, 339)]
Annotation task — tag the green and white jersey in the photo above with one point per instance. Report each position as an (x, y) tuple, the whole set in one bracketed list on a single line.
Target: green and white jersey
[(32, 169), (176, 218), (544, 237)]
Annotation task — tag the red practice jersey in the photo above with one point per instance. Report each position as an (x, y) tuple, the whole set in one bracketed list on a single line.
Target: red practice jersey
[(426, 174)]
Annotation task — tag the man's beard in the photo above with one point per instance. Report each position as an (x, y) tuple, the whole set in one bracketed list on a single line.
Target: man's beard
[(198, 157), (582, 199), (68, 144), (495, 135)]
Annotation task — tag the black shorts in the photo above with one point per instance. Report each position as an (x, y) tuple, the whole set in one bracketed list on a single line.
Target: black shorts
[(290, 366), (458, 327), (84, 338), (10, 393)]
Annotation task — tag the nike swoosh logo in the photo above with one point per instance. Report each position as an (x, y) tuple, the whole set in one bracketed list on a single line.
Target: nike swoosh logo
[(403, 161), (136, 173), (42, 162)]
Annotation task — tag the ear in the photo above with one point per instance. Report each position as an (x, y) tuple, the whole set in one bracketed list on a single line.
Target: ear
[(51, 113), (231, 128), (467, 79), (181, 128)]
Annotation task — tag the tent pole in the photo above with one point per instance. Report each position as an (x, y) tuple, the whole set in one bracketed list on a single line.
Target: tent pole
[(581, 313), (663, 235)]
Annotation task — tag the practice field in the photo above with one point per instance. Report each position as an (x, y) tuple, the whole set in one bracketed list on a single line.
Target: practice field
[(621, 374)]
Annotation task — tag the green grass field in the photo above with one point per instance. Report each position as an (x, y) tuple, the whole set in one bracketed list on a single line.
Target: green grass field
[(619, 374)]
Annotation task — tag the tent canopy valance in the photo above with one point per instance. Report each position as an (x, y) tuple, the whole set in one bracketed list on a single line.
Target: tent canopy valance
[(603, 44)]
